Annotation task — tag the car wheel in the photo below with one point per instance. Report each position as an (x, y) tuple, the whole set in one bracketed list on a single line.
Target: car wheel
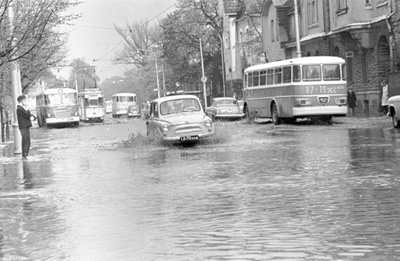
[(396, 123), (275, 117)]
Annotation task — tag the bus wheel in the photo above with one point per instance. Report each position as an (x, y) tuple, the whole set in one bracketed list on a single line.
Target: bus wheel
[(275, 117)]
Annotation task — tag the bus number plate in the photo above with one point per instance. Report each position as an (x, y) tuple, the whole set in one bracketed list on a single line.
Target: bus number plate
[(189, 138), (323, 99)]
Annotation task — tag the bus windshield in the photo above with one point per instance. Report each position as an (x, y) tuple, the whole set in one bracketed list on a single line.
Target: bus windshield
[(61, 99), (125, 99)]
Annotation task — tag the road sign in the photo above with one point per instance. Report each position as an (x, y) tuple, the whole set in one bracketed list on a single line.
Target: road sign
[(203, 79)]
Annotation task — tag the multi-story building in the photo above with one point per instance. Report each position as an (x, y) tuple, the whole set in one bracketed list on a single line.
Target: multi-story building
[(360, 31), (241, 39)]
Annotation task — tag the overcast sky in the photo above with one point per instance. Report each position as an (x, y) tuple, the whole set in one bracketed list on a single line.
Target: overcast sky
[(94, 38)]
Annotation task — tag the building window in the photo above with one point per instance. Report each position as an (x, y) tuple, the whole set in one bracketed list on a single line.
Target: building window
[(312, 8), (364, 65), (341, 6), (272, 31)]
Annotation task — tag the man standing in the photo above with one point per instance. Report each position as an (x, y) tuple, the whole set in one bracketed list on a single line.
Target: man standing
[(352, 102), (24, 123)]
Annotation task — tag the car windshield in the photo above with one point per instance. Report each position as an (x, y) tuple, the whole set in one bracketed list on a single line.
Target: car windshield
[(220, 103), (179, 105)]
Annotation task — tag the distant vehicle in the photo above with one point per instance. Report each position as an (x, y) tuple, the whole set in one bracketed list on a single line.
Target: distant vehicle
[(145, 111), (57, 105), (179, 118), (108, 106), (120, 103), (133, 111), (394, 110), (91, 105), (224, 108), (307, 87)]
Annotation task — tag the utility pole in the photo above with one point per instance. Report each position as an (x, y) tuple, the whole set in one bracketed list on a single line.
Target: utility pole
[(203, 78), (16, 84), (296, 20)]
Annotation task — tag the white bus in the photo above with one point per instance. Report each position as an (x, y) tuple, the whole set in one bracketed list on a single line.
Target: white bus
[(91, 105), (308, 87), (120, 103), (57, 106)]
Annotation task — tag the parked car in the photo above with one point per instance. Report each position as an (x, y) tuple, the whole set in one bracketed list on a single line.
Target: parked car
[(179, 118), (133, 111), (224, 108), (394, 110)]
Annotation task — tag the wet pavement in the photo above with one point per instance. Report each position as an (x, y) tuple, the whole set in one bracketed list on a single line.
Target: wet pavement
[(255, 192)]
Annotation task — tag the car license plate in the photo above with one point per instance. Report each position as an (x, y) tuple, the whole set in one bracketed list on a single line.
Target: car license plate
[(189, 138)]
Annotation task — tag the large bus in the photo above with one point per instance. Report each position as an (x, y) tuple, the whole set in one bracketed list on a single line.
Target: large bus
[(120, 103), (308, 87), (57, 106), (91, 105)]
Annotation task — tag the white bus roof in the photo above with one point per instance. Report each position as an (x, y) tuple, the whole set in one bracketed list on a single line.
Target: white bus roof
[(59, 90), (298, 61), (124, 94)]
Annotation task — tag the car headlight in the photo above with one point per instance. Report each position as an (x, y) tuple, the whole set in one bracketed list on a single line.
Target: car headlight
[(208, 124), (165, 128)]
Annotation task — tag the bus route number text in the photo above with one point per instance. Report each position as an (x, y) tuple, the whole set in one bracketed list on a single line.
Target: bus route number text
[(322, 89)]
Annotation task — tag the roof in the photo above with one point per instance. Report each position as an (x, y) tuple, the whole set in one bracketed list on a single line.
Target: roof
[(299, 61), (175, 97), (59, 90), (224, 98), (124, 94)]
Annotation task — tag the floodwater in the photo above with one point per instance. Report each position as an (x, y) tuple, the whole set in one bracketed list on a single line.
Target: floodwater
[(257, 192)]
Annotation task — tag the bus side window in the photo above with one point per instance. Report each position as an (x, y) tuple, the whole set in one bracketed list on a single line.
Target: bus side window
[(250, 79), (278, 75), (296, 73), (344, 72), (270, 76), (263, 78), (245, 81), (287, 74), (255, 79)]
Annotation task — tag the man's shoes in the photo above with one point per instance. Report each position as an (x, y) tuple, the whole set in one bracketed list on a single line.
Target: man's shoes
[(24, 158)]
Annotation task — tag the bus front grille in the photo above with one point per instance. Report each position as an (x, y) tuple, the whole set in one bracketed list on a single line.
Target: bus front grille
[(62, 113)]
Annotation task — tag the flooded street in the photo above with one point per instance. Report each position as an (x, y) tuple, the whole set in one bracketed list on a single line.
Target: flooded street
[(256, 192)]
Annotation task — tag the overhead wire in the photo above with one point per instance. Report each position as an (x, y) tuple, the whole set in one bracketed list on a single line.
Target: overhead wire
[(112, 49)]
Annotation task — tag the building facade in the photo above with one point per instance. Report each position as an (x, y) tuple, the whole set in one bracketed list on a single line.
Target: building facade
[(362, 32), (242, 36)]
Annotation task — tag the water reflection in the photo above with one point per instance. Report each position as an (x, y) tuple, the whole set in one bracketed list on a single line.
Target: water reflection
[(296, 192), (27, 175)]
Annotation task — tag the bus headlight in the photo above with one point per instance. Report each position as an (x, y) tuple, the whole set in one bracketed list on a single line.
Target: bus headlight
[(303, 101), (340, 101)]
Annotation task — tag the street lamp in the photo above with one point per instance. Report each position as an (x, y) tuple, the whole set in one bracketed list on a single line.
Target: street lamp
[(155, 58)]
